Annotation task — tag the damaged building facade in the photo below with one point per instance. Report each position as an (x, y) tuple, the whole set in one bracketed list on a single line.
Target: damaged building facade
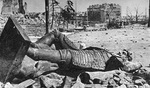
[(13, 7), (80, 19), (104, 12)]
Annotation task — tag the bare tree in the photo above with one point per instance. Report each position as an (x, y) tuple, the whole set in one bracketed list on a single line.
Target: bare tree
[(131, 17), (109, 12), (137, 15), (149, 15), (53, 5), (47, 15), (68, 12)]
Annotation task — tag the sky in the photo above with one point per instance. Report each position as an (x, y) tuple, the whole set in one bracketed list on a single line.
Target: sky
[(82, 5)]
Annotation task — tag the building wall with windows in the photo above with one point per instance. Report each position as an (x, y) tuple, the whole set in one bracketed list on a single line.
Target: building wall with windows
[(104, 12), (80, 19)]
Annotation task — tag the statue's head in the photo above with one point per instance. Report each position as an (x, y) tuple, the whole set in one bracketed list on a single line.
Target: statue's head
[(120, 61), (125, 55)]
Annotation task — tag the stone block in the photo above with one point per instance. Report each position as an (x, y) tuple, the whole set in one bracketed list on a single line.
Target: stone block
[(14, 44)]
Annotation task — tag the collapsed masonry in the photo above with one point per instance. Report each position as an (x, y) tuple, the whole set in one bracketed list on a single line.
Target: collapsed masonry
[(13, 7)]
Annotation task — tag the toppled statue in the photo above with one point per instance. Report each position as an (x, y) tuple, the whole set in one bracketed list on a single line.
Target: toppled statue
[(91, 58), (65, 54)]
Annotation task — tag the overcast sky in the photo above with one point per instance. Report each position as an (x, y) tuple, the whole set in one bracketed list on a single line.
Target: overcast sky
[(82, 5)]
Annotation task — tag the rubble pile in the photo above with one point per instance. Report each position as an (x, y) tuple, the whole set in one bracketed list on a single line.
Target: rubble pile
[(110, 79), (48, 78), (3, 20), (35, 30), (25, 19), (33, 24), (30, 19)]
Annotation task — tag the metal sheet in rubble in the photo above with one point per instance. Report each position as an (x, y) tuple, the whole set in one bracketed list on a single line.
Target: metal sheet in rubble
[(14, 44)]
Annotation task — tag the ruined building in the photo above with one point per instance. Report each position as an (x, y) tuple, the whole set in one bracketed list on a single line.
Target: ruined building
[(13, 7), (104, 12)]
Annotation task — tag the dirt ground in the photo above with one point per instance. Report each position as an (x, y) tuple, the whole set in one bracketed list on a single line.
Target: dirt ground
[(136, 40)]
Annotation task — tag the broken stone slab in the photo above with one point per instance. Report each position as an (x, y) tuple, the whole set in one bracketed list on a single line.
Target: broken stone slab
[(144, 72), (14, 44), (38, 68), (8, 85), (52, 80), (25, 84), (131, 66), (122, 86), (1, 85), (37, 83), (45, 66)]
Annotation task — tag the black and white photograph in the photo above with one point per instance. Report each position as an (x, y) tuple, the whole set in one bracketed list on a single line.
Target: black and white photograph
[(74, 43)]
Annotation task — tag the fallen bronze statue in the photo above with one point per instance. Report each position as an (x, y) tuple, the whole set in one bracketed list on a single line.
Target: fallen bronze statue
[(90, 58), (89, 63)]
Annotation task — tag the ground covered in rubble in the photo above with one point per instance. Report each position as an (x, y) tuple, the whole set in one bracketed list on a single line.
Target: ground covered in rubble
[(136, 40), (44, 74)]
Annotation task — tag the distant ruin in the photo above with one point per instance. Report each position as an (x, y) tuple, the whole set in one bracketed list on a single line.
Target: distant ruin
[(13, 7)]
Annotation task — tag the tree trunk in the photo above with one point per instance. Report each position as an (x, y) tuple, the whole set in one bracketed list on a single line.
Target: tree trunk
[(47, 15), (52, 22), (136, 19), (149, 15)]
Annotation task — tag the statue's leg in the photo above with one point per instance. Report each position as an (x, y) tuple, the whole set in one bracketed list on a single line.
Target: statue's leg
[(63, 42), (42, 46), (41, 55), (46, 41), (57, 38), (54, 56)]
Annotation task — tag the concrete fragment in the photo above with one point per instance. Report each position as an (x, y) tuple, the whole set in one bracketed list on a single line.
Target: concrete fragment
[(131, 66), (1, 85), (37, 84), (52, 80), (122, 86), (25, 84), (45, 66)]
